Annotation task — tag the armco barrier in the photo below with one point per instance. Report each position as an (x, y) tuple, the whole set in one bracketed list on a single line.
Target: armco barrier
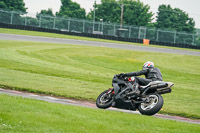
[(30, 28)]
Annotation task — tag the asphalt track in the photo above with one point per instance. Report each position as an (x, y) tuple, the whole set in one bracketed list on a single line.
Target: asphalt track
[(86, 104), (97, 44)]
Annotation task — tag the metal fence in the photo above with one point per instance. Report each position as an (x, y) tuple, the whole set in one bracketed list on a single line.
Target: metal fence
[(86, 26)]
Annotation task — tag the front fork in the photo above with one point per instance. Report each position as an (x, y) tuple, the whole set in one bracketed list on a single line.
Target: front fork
[(111, 90)]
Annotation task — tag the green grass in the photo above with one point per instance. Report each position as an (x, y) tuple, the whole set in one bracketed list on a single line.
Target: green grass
[(45, 34), (27, 115), (83, 72)]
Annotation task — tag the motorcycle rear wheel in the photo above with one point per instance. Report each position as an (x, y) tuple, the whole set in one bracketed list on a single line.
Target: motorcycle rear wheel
[(104, 100), (152, 106)]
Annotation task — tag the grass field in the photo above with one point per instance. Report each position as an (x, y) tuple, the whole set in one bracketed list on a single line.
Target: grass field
[(27, 115), (83, 72)]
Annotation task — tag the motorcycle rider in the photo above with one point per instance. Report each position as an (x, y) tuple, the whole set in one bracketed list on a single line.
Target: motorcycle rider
[(151, 73)]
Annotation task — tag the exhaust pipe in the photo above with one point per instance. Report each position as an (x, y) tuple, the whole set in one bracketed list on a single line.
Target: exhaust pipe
[(168, 90), (156, 86), (162, 85)]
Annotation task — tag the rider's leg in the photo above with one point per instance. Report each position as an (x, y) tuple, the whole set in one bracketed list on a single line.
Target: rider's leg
[(143, 81), (139, 81), (134, 88)]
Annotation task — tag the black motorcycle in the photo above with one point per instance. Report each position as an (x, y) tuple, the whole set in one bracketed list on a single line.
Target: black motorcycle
[(148, 101)]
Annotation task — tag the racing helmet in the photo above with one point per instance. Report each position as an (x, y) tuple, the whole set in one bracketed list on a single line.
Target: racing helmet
[(148, 65)]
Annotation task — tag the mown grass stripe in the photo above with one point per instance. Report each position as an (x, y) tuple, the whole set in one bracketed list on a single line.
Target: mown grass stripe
[(84, 72)]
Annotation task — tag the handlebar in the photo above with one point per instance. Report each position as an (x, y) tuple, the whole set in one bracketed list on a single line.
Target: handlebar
[(120, 76)]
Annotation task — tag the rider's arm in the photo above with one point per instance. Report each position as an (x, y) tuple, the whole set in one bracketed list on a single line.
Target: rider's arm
[(138, 73)]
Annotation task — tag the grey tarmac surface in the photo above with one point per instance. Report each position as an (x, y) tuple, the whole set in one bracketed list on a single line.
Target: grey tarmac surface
[(86, 104), (97, 44)]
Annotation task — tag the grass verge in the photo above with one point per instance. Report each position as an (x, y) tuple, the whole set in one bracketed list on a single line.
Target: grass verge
[(83, 72), (30, 115)]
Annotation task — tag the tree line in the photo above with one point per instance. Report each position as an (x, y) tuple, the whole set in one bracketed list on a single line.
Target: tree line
[(135, 13)]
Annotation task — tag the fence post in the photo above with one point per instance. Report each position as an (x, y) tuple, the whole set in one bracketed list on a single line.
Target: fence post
[(139, 33), (157, 35), (145, 35), (175, 37), (54, 23), (102, 26), (69, 24), (26, 20), (11, 18), (129, 32), (99, 27), (83, 26), (93, 28), (193, 40), (114, 31), (40, 21)]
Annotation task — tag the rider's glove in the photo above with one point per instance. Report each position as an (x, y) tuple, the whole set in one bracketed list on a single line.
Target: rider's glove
[(122, 74)]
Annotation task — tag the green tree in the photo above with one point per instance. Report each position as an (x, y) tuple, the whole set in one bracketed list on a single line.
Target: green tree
[(48, 12), (17, 5), (109, 11), (32, 21), (71, 9), (134, 13), (46, 18), (18, 9), (174, 19)]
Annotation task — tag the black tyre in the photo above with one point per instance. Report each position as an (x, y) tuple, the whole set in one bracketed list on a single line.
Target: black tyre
[(105, 99), (152, 106)]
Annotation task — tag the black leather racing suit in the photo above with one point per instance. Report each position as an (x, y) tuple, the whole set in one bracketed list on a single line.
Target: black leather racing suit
[(151, 74)]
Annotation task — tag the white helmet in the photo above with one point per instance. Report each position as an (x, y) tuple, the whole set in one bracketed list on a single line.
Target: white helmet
[(148, 65)]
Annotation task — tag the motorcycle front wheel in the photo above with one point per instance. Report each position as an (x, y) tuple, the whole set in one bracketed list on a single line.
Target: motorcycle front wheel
[(153, 104), (105, 99)]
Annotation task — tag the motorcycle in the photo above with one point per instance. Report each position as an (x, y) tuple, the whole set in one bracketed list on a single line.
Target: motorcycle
[(148, 102)]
